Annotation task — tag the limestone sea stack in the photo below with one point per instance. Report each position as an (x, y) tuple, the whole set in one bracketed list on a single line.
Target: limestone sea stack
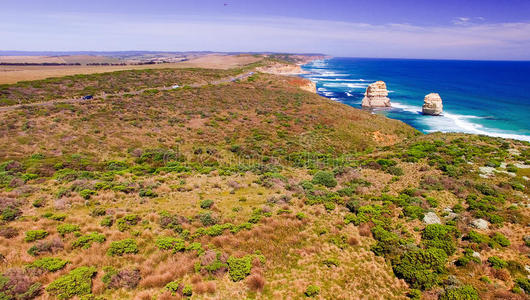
[(432, 105), (376, 95)]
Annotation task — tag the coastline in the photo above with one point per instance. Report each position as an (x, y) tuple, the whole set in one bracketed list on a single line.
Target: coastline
[(338, 85)]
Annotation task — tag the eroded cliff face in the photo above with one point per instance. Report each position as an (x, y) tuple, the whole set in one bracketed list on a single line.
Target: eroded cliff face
[(432, 105), (304, 84), (281, 69), (376, 95)]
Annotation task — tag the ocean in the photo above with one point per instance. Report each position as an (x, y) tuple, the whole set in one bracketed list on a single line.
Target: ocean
[(481, 97)]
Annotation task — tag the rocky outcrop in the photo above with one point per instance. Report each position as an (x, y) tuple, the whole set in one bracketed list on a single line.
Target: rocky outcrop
[(376, 95), (432, 105), (480, 224), (431, 218)]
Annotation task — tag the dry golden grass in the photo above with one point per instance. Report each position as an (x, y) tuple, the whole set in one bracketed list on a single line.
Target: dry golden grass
[(13, 74)]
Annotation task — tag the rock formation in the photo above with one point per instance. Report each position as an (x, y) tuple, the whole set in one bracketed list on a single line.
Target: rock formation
[(432, 105), (376, 95)]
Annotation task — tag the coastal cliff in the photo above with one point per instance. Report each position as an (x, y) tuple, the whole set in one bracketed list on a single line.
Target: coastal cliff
[(376, 95), (304, 84), (432, 105), (281, 69)]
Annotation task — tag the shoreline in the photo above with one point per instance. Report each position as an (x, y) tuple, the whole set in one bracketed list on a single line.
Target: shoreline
[(458, 119)]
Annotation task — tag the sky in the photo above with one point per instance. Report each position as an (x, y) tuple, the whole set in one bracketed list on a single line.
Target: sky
[(449, 29)]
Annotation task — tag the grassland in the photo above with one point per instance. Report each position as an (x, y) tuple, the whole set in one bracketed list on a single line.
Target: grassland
[(14, 74), (252, 189)]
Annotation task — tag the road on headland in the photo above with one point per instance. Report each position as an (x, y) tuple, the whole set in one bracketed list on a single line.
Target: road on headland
[(104, 96)]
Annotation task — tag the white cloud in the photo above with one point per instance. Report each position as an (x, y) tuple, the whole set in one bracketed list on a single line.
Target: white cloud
[(475, 40)]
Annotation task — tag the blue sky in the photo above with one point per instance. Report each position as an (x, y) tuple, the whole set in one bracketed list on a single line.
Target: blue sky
[(462, 29)]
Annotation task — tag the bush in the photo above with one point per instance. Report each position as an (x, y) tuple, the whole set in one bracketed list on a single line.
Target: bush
[(98, 212), (420, 268), (170, 243), (33, 235), (312, 291), (523, 283), (173, 287), (126, 246), (207, 219), (127, 221), (187, 291), (466, 292), (239, 268), (76, 283), (414, 212), (64, 229), (441, 237), (497, 263), (500, 239), (86, 193), (106, 221), (206, 204), (148, 193), (50, 264), (433, 202), (85, 241), (325, 178), (478, 238)]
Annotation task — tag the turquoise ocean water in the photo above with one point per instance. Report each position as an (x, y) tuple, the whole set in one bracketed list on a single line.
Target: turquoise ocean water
[(481, 97)]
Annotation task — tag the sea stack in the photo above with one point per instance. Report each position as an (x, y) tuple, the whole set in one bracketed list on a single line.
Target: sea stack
[(432, 105), (376, 95)]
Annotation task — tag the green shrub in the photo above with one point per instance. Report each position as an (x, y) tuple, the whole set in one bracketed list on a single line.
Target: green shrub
[(170, 243), (173, 287), (106, 221), (433, 202), (329, 206), (127, 221), (55, 217), (187, 291), (300, 216), (206, 204), (420, 268), (109, 273), (500, 239), (85, 241), (497, 263), (239, 268), (441, 237), (126, 246), (466, 258), (465, 292), (387, 242), (414, 212), (312, 291), (147, 193), (10, 213), (76, 283), (523, 283), (64, 229), (33, 235), (478, 238), (98, 212), (50, 264), (325, 178), (87, 193), (207, 219)]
